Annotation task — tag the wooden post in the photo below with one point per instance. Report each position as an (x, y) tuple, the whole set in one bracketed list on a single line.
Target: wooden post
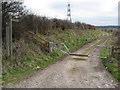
[(0, 46), (10, 35), (110, 51), (50, 45), (7, 40)]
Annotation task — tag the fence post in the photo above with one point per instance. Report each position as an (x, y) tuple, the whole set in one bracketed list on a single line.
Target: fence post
[(110, 50), (110, 55), (7, 40), (50, 45), (113, 52), (10, 35)]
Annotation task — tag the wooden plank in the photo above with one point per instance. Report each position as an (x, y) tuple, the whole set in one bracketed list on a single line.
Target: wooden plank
[(79, 58), (79, 55)]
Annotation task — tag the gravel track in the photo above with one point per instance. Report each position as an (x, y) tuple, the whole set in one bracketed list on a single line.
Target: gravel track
[(70, 73)]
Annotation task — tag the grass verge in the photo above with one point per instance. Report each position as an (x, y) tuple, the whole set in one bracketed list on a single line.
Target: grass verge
[(110, 63)]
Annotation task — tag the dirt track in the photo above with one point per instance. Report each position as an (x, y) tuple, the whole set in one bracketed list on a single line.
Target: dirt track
[(70, 73)]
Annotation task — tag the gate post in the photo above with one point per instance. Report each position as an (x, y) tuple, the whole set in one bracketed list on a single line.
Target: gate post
[(10, 36), (7, 40), (50, 46), (110, 51)]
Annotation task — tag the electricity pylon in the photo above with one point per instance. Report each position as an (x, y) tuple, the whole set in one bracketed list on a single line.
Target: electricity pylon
[(69, 12)]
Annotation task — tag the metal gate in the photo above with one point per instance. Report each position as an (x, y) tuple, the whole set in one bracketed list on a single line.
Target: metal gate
[(108, 51), (64, 49)]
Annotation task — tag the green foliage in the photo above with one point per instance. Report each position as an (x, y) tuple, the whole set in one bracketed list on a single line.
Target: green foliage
[(12, 74), (104, 52), (16, 9), (26, 59), (54, 54), (111, 67), (42, 57), (110, 63)]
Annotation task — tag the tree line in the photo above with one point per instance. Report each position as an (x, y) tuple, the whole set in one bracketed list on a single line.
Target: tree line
[(34, 23)]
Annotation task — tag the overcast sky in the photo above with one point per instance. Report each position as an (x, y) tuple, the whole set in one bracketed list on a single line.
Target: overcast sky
[(95, 12)]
